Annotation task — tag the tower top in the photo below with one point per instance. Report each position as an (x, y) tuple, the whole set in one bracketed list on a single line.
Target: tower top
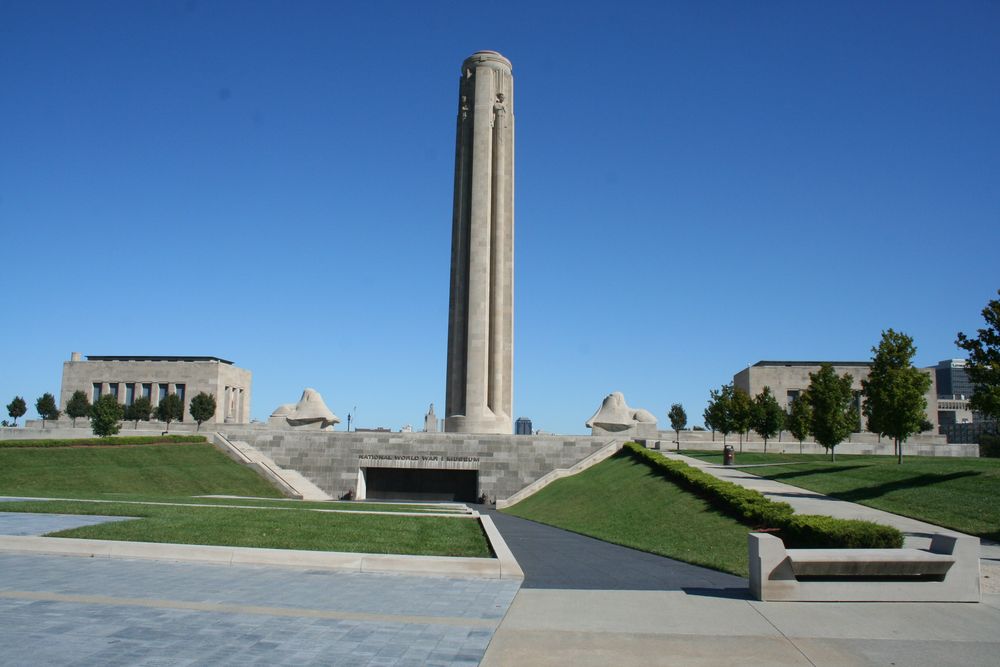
[(488, 58)]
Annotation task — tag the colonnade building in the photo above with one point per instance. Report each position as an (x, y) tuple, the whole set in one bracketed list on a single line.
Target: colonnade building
[(154, 377)]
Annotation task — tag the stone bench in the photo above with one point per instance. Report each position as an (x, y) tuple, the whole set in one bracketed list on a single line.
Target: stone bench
[(946, 572)]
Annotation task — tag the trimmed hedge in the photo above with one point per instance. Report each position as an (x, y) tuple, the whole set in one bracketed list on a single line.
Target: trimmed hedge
[(105, 442), (752, 507), (989, 446)]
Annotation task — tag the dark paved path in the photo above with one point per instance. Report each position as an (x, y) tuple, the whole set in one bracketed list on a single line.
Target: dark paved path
[(556, 558)]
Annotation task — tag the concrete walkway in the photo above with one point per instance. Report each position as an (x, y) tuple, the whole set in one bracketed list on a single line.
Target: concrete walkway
[(721, 625)]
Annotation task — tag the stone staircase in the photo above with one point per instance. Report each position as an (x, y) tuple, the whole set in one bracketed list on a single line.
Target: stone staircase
[(291, 482)]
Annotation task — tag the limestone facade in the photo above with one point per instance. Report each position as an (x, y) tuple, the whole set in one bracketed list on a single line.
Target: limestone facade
[(479, 392), (788, 379), (129, 377)]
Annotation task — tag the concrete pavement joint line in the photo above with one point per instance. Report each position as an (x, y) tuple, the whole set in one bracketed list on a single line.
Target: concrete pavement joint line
[(247, 609), (780, 632), (252, 507)]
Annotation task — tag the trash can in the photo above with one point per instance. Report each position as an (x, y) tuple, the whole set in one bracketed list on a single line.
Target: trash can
[(728, 454)]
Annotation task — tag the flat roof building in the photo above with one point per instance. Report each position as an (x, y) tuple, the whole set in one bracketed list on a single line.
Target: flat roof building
[(156, 376), (788, 379)]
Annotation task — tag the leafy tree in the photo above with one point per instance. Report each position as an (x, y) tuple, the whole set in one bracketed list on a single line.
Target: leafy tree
[(17, 408), (983, 365), (78, 406), (894, 390), (46, 408), (105, 414), (799, 419), (678, 420), (768, 417), (170, 409), (718, 414), (741, 411), (202, 407), (140, 410), (832, 401)]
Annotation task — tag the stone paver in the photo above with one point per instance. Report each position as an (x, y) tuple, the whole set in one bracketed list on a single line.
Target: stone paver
[(18, 523), (76, 611)]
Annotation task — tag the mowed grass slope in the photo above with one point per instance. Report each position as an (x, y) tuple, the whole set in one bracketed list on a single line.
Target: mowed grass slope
[(957, 493), (623, 501), (167, 470)]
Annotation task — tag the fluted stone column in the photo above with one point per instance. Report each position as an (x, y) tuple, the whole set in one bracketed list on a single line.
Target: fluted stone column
[(479, 396)]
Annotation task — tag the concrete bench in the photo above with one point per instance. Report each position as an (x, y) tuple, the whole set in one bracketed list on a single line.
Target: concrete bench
[(946, 572)]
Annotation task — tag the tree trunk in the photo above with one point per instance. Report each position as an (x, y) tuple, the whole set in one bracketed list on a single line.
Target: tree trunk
[(899, 450), (833, 453), (765, 445)]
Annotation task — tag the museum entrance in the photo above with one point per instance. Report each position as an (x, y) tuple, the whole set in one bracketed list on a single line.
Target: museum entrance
[(421, 484)]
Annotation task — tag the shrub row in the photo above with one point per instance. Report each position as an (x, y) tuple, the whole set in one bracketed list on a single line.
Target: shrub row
[(751, 507), (123, 440), (989, 446)]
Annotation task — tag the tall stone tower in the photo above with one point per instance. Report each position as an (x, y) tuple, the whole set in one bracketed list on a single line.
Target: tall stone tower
[(479, 397)]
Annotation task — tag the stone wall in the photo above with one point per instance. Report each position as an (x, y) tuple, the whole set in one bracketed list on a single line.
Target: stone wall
[(506, 463), (860, 443)]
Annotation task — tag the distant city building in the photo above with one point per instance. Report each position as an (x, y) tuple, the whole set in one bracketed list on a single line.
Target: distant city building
[(430, 421), (788, 379), (154, 377), (952, 379), (522, 426)]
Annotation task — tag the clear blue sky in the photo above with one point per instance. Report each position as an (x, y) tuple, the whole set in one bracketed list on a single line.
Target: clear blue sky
[(699, 186)]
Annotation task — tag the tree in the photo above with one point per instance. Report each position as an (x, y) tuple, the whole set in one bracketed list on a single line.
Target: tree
[(718, 414), (741, 411), (105, 414), (894, 391), (140, 409), (170, 409), (17, 408), (46, 408), (833, 414), (78, 406), (983, 365), (799, 419), (768, 417), (678, 420), (202, 408)]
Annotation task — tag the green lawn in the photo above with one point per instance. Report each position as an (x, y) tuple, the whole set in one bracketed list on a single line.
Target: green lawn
[(957, 493), (169, 470), (623, 501), (176, 472), (272, 528)]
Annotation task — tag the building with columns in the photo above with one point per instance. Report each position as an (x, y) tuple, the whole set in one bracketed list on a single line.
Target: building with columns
[(129, 377)]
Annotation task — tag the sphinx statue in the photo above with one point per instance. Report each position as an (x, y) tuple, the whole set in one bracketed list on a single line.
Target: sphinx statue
[(615, 416), (309, 412)]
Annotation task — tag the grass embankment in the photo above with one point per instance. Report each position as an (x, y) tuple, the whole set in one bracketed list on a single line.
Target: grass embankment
[(103, 442), (956, 493), (176, 472), (623, 501), (168, 470)]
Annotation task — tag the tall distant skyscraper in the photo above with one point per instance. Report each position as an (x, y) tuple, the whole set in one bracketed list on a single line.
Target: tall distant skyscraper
[(479, 397)]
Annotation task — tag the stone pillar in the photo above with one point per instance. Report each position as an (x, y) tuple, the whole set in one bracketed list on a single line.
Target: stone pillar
[(479, 396)]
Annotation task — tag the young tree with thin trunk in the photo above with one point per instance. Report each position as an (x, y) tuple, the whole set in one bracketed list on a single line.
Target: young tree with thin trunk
[(833, 415), (799, 419), (202, 408), (105, 414), (170, 409), (983, 365), (678, 420), (140, 410), (78, 406), (46, 408), (894, 391), (742, 413), (768, 417), (718, 414), (17, 408)]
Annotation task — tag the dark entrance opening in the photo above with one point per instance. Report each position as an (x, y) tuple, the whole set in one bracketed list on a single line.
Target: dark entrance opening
[(421, 484)]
